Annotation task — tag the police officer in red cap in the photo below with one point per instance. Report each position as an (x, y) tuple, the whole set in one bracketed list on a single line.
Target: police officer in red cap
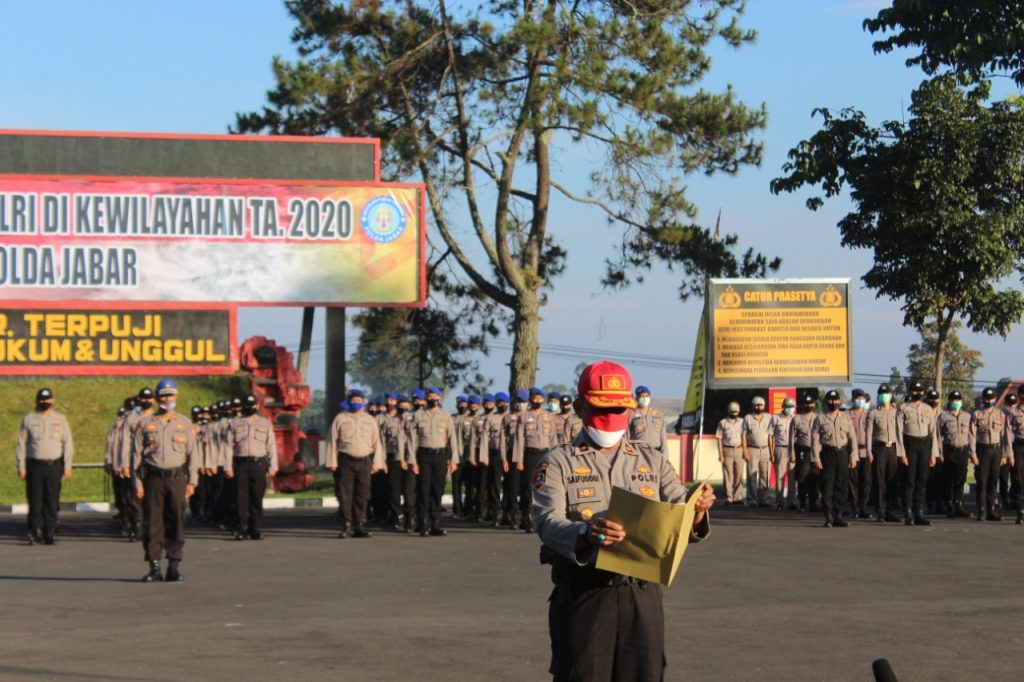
[(604, 626)]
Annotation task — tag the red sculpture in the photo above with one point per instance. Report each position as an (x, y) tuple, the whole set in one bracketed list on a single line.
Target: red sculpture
[(279, 387)]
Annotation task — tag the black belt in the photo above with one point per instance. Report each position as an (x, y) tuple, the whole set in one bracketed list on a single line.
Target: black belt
[(882, 443), (989, 446), (950, 446), (45, 462), (157, 472), (243, 458), (1019, 441), (907, 436), (431, 451)]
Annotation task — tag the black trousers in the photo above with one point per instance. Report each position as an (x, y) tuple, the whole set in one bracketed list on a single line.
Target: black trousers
[(353, 487), (915, 473), (250, 486), (457, 489), (470, 479), (1018, 471), (1007, 490), (226, 501), (860, 486), (131, 509), (806, 476), (490, 490), (433, 464), (401, 491), (607, 634), (886, 469), (510, 493), (42, 488), (531, 462), (379, 497), (987, 474), (214, 490), (955, 470), (163, 516), (835, 463), (197, 503), (935, 491)]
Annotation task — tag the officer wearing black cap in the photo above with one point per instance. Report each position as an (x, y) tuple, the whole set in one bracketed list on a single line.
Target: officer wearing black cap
[(43, 457), (860, 477), (834, 453), (935, 490), (885, 451), (920, 453), (1015, 425), (133, 508), (954, 433), (573, 424), (990, 441), (1007, 481), (800, 454), (252, 457)]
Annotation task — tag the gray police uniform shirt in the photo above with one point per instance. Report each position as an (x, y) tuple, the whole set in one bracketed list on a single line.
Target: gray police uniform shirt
[(572, 427), (1015, 416), (649, 426), (574, 484), (954, 430), (834, 430), (990, 427), (250, 437), (392, 432), (782, 433), (44, 437), (803, 425), (112, 444), (757, 429), (355, 434), (434, 429), (165, 441), (730, 432), (885, 427), (537, 431), (918, 419), (491, 447)]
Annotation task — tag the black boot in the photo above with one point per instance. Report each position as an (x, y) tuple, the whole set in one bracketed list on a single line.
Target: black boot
[(346, 530), (919, 519), (154, 575), (1020, 517), (993, 515), (951, 510), (48, 538), (839, 521), (173, 576), (361, 532), (437, 531), (828, 520), (958, 508), (908, 518)]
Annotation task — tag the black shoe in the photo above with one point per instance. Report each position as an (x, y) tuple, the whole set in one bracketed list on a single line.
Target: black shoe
[(132, 537), (239, 535), (255, 534), (437, 532), (514, 525), (828, 523), (961, 513), (154, 575), (891, 518), (993, 516), (779, 507), (793, 507), (950, 512), (496, 524), (920, 520), (908, 520), (840, 522), (173, 576), (361, 532), (1020, 517), (48, 539), (863, 515), (32, 538), (530, 528)]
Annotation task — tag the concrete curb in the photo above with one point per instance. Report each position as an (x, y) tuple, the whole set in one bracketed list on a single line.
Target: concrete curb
[(268, 503)]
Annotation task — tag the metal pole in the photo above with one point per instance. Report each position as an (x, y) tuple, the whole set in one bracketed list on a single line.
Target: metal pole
[(334, 383), (304, 342)]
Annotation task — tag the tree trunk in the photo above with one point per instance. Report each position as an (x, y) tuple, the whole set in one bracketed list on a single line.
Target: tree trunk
[(944, 324), (527, 341)]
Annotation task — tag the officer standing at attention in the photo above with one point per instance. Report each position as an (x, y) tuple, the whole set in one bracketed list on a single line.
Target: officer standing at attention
[(920, 452), (165, 466), (990, 447), (133, 508), (603, 625), (432, 437), (355, 452), (730, 453), (507, 406), (885, 450), (954, 434), (392, 435), (834, 452), (757, 431), (860, 477), (800, 454), (44, 456), (573, 425), (1007, 481), (253, 457), (646, 423), (537, 434), (778, 448), (492, 457), (111, 452), (1015, 419), (934, 492), (460, 419), (469, 446)]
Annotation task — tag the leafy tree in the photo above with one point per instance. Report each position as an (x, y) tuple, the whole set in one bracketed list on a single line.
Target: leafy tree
[(938, 200), (972, 37), (896, 382), (400, 348), (560, 389), (481, 100), (312, 417), (960, 363)]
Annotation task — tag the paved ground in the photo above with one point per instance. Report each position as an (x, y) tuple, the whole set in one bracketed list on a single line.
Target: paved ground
[(767, 597)]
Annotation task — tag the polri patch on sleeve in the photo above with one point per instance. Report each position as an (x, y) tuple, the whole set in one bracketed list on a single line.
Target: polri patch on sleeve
[(538, 478)]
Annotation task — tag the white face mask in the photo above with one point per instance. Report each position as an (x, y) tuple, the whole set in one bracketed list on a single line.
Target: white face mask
[(604, 439), (168, 406), (644, 401)]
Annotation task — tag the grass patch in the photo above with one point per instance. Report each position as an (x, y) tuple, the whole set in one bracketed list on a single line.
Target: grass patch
[(90, 405)]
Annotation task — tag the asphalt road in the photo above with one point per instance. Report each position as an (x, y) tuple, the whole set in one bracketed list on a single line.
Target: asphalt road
[(768, 596)]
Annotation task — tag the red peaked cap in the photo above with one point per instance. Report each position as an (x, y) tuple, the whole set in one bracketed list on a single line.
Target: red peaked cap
[(606, 384)]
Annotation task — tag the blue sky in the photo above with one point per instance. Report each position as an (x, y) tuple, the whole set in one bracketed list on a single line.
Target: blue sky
[(187, 66)]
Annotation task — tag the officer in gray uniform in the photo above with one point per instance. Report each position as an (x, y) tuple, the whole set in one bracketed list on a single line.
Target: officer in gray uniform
[(573, 425), (834, 453), (860, 477), (730, 453), (920, 453), (538, 432), (1015, 419), (778, 445), (392, 435), (885, 450), (603, 625), (954, 434), (252, 448), (432, 437), (491, 455), (165, 470), (354, 453), (756, 433), (800, 454), (646, 423), (990, 447), (43, 457)]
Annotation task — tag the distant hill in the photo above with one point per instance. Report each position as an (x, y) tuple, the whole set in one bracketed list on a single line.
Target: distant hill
[(90, 404)]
